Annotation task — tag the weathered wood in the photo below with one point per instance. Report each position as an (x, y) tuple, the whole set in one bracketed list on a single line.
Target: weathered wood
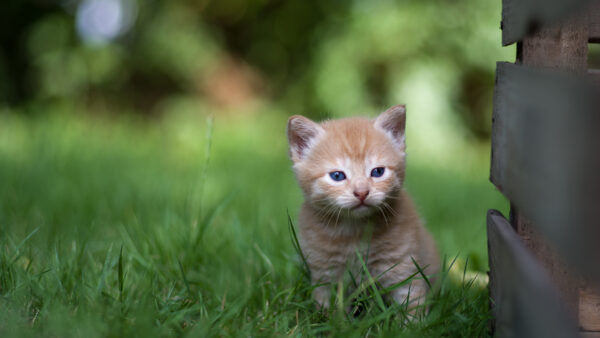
[(522, 17), (545, 159), (589, 334), (524, 300), (577, 297), (594, 75), (549, 260), (594, 21), (545, 152), (519, 20), (589, 309), (564, 45)]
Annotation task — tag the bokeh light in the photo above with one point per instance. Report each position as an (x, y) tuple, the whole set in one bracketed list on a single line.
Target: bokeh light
[(101, 21)]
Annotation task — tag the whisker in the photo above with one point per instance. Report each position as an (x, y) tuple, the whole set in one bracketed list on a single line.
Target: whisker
[(383, 214), (393, 197), (390, 209), (338, 216)]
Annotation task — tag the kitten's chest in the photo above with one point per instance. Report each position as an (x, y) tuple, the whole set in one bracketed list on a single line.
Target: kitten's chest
[(358, 254), (373, 248)]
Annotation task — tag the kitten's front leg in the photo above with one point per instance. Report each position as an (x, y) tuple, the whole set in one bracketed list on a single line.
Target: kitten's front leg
[(322, 294), (414, 292), (324, 277)]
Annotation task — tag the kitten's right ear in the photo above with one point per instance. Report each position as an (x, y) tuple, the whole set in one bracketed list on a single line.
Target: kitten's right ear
[(301, 133), (393, 122)]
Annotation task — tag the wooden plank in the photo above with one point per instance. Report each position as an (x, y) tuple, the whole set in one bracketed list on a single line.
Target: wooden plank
[(545, 159), (564, 45), (594, 74), (594, 22), (589, 309), (524, 301), (589, 334), (522, 17), (549, 259)]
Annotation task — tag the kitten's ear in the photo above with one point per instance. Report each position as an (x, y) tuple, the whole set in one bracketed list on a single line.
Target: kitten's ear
[(393, 122), (301, 133)]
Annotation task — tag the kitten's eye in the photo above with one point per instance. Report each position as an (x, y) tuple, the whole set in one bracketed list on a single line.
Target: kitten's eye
[(337, 175), (377, 172)]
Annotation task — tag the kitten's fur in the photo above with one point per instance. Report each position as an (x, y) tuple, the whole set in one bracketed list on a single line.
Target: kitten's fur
[(333, 228)]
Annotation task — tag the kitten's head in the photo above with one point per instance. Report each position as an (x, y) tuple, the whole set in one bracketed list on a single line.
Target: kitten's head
[(354, 165)]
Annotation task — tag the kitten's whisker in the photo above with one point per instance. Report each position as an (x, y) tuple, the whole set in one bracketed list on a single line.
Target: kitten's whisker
[(330, 213), (393, 197), (321, 199), (338, 215), (384, 217), (325, 207), (327, 217), (390, 209)]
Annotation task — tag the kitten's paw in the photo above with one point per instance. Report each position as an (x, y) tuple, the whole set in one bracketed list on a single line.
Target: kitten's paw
[(414, 298), (321, 296)]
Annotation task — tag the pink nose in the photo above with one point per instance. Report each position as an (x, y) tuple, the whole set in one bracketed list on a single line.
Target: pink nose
[(361, 195)]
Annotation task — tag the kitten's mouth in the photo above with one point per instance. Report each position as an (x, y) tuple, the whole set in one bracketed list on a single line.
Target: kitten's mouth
[(361, 209), (360, 206)]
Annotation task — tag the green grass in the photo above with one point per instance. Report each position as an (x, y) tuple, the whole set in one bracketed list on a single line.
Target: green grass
[(127, 227)]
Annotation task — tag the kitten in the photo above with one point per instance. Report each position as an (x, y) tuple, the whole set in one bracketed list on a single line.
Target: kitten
[(351, 172)]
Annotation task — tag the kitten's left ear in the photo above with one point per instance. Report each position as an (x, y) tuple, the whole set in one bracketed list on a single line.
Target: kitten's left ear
[(392, 122)]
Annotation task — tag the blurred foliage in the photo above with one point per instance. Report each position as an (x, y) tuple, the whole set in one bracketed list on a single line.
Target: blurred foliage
[(316, 57)]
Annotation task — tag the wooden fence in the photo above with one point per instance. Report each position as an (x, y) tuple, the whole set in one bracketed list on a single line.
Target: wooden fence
[(545, 259)]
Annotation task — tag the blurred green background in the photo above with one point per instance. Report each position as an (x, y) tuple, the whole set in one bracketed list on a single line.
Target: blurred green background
[(159, 127)]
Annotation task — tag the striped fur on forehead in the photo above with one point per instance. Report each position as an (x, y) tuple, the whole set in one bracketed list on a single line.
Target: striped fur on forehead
[(355, 139)]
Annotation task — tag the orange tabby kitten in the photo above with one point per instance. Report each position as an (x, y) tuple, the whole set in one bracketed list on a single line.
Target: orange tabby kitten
[(351, 172)]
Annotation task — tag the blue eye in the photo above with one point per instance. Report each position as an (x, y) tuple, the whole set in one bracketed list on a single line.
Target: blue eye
[(337, 175), (377, 172)]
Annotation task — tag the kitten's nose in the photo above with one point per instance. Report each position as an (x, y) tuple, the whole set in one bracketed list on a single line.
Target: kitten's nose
[(361, 195)]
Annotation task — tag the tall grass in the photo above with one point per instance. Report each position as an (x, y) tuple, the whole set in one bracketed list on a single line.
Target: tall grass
[(126, 227)]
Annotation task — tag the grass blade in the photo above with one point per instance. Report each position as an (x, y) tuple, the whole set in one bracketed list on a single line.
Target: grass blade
[(120, 275), (185, 281), (296, 245), (421, 272), (372, 283)]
